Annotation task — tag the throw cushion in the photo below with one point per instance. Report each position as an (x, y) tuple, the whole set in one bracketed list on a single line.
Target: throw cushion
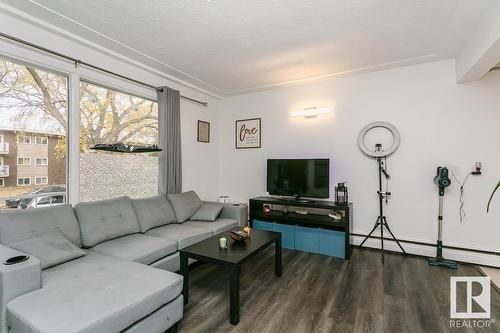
[(153, 212), (51, 249), (184, 204), (207, 212)]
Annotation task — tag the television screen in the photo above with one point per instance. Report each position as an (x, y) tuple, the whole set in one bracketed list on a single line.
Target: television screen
[(299, 177)]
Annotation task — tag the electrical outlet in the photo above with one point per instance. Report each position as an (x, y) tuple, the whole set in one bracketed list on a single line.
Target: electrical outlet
[(456, 170)]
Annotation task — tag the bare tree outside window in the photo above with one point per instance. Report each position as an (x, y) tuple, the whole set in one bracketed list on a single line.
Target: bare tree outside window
[(108, 116), (33, 103)]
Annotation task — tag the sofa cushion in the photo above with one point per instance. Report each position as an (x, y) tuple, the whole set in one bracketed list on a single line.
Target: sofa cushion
[(184, 204), (93, 294), (207, 212), (216, 227), (106, 219), (184, 235), (137, 247), (153, 212), (18, 225), (51, 248)]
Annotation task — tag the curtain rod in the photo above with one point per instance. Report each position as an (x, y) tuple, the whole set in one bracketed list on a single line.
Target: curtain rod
[(80, 62)]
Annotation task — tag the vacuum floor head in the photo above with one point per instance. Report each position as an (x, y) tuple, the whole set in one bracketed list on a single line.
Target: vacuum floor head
[(441, 262)]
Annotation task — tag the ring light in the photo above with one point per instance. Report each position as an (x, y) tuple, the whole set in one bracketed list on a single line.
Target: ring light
[(386, 152)]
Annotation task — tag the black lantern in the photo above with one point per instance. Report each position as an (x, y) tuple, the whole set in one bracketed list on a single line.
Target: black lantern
[(341, 195)]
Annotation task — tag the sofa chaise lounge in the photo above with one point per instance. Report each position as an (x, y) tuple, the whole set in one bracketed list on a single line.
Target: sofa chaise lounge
[(103, 266)]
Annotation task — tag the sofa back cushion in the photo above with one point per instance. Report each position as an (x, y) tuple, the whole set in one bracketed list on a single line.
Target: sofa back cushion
[(184, 204), (153, 212), (19, 225), (51, 248), (106, 219)]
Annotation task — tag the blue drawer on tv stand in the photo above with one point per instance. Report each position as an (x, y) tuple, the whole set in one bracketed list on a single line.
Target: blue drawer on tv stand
[(306, 239), (313, 240), (332, 243), (287, 232), (287, 235)]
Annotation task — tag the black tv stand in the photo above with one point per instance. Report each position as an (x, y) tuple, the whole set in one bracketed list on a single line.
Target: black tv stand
[(306, 221)]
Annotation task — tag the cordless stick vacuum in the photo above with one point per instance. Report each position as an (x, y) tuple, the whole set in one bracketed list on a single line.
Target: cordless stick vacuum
[(442, 181)]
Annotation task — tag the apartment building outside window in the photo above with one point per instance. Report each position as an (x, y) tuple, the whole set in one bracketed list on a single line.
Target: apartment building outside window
[(41, 161), (41, 140), (23, 181), (33, 144), (41, 180), (24, 161), (24, 139)]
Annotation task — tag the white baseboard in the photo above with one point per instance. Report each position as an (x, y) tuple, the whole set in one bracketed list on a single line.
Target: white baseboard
[(430, 251)]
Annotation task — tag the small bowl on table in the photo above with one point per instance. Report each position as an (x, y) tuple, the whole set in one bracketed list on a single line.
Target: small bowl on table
[(238, 236)]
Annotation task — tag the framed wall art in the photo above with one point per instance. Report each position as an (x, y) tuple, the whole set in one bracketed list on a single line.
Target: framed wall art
[(248, 133), (203, 131)]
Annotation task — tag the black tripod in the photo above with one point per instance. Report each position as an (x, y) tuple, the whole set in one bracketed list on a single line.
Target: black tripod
[(381, 219)]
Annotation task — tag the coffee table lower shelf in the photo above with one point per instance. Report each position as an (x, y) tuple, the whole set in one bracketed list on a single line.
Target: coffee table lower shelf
[(233, 257)]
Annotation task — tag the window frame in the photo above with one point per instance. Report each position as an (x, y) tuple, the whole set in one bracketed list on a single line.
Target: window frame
[(41, 164), (25, 55), (131, 93), (2, 182), (24, 137), (23, 164), (41, 182), (42, 137), (23, 184)]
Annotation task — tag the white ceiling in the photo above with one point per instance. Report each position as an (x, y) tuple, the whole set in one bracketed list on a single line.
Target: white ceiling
[(235, 46)]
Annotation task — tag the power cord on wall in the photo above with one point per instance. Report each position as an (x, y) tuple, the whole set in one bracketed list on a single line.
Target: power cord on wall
[(461, 210)]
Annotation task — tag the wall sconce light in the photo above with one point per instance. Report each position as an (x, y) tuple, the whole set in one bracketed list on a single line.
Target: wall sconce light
[(310, 112)]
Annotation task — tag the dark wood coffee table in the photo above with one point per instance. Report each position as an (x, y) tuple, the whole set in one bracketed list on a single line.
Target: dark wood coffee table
[(233, 257)]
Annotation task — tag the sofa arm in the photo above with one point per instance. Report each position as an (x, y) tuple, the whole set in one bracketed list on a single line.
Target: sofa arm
[(235, 212), (16, 280)]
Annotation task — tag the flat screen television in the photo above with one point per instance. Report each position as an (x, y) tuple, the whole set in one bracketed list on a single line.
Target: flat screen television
[(299, 177)]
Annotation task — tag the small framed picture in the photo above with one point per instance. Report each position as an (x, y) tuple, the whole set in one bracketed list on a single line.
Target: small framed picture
[(203, 131), (248, 133)]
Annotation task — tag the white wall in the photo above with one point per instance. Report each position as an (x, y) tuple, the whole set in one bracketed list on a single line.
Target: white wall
[(441, 123), (200, 161)]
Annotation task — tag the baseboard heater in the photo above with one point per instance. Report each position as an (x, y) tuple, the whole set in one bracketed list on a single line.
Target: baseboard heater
[(433, 245)]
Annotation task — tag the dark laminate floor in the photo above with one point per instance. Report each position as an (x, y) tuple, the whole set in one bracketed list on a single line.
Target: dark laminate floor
[(322, 294)]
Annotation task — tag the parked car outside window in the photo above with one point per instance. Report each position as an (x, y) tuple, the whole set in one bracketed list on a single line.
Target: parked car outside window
[(43, 201)]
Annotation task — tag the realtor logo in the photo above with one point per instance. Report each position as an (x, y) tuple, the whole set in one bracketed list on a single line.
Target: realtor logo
[(478, 302)]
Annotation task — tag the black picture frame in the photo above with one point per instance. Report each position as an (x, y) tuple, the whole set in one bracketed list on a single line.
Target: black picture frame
[(200, 137), (236, 134)]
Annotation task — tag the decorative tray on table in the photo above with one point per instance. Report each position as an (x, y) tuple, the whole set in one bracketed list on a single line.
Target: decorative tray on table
[(238, 236)]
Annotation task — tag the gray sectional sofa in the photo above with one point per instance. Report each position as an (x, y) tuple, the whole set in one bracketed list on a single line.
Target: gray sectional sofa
[(104, 266)]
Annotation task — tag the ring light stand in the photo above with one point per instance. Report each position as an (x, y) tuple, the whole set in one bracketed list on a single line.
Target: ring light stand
[(379, 154)]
